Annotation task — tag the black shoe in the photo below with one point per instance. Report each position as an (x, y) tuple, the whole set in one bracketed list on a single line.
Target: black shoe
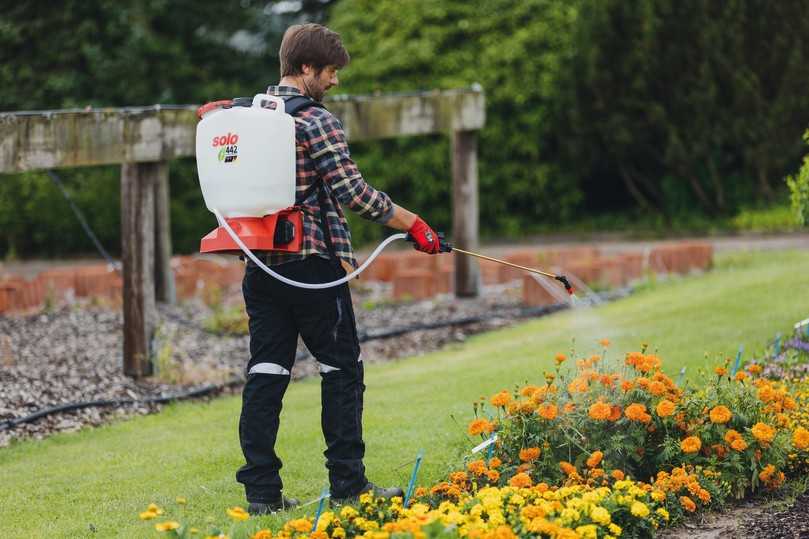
[(281, 504), (378, 492)]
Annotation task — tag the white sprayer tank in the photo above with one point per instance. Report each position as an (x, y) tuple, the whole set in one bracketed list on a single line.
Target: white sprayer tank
[(246, 158)]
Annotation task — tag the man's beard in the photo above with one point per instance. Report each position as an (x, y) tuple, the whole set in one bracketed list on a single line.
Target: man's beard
[(314, 90)]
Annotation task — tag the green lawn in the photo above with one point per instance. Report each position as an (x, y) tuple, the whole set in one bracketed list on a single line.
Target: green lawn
[(70, 485)]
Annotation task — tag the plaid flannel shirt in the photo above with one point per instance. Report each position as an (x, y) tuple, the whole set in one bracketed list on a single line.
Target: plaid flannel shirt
[(322, 154)]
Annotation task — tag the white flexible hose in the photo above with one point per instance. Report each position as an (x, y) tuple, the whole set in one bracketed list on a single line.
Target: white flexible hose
[(311, 286)]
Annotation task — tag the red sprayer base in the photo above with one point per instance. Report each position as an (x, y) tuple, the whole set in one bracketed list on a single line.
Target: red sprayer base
[(258, 234)]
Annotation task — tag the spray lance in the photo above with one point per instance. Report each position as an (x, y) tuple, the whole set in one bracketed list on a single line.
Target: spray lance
[(250, 186)]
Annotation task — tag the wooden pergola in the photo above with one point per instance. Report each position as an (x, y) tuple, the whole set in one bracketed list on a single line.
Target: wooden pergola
[(144, 139)]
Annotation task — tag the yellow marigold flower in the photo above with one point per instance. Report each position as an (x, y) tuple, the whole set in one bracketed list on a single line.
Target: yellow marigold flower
[(301, 525), (560, 358), (658, 495), (147, 515), (520, 480), (665, 408), (663, 513), (600, 411), (595, 459), (688, 504), (480, 426), (154, 509), (692, 444), (637, 412), (501, 399), (567, 468), (720, 414), (238, 513), (800, 438), (588, 531), (262, 534), (763, 432), (320, 534), (338, 533), (639, 509), (166, 526), (615, 529), (529, 454), (548, 411), (600, 516)]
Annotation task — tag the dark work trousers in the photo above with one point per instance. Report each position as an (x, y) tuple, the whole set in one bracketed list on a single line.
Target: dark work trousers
[(278, 313)]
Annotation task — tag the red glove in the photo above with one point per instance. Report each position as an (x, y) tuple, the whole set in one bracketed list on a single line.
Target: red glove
[(425, 238)]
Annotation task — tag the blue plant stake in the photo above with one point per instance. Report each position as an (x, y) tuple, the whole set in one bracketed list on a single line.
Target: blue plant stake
[(490, 450), (323, 496), (738, 361), (680, 378), (412, 485), (778, 345)]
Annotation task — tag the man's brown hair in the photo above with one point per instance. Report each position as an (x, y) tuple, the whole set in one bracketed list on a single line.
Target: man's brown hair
[(311, 44)]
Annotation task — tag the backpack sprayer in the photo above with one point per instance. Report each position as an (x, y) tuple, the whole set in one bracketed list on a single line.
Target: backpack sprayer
[(246, 163)]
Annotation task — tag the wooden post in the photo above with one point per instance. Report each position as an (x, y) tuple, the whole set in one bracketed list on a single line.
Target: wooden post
[(465, 211), (137, 254), (164, 278)]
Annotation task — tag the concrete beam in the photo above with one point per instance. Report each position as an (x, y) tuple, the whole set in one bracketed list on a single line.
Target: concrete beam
[(70, 138)]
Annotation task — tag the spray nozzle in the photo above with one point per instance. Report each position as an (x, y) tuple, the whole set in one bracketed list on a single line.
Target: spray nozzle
[(562, 279)]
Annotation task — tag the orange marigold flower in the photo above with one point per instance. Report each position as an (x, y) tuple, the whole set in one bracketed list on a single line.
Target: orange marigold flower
[(637, 412), (738, 445), (704, 495), (568, 407), (547, 411), (578, 385), (665, 408), (692, 444), (493, 475), (720, 450), (720, 414), (731, 435), (626, 385), (529, 454), (657, 388), (720, 371), (477, 467), (688, 504), (754, 369), (618, 475), (567, 468), (480, 426), (800, 438), (501, 399), (495, 462), (763, 432), (560, 358), (595, 459), (600, 411), (740, 376), (520, 480), (606, 380), (604, 342), (615, 413), (528, 391), (458, 477)]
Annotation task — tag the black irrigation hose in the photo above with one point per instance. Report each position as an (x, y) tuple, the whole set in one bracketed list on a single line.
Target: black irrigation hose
[(365, 336)]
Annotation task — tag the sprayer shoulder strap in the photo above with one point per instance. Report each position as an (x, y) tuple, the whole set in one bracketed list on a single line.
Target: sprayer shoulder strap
[(293, 105)]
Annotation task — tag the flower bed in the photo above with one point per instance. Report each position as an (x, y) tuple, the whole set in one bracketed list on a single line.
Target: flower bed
[(602, 448)]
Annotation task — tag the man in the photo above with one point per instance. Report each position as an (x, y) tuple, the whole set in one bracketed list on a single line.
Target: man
[(327, 179)]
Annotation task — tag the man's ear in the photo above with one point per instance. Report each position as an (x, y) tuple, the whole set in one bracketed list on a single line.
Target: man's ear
[(307, 69)]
